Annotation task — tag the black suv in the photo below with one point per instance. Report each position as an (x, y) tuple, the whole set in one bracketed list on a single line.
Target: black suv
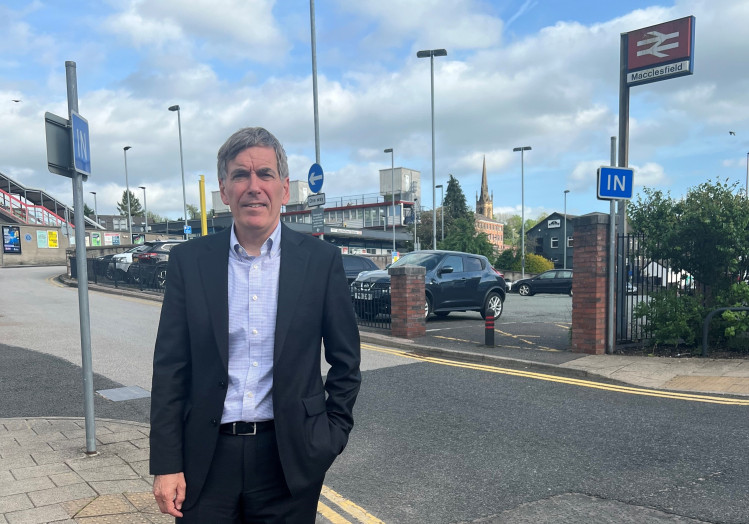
[(149, 266), (355, 264), (454, 282)]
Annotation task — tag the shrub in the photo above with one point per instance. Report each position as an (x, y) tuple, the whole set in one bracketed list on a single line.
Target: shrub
[(671, 318)]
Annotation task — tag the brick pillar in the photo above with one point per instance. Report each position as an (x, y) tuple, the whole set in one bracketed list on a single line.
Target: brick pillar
[(407, 299), (589, 289)]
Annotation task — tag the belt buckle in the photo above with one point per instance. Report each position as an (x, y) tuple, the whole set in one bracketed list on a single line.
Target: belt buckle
[(254, 430)]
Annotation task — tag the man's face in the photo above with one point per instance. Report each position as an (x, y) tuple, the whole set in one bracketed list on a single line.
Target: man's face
[(254, 192)]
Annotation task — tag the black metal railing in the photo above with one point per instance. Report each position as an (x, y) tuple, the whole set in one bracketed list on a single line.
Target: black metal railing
[(371, 303)]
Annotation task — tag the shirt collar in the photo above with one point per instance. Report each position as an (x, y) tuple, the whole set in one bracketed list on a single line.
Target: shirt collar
[(270, 248)]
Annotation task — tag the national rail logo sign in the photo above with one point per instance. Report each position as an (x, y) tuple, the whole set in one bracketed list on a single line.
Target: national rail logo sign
[(660, 51)]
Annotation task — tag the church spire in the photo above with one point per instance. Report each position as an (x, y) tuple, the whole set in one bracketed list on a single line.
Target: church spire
[(484, 184), (484, 203)]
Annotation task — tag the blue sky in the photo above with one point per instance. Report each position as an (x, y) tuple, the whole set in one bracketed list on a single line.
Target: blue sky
[(518, 72)]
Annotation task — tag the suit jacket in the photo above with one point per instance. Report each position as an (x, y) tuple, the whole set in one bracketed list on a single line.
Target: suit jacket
[(190, 369)]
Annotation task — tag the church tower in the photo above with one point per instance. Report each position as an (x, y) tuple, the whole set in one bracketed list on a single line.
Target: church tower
[(484, 203)]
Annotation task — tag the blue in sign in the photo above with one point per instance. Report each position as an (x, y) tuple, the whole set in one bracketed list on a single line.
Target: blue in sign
[(615, 183), (315, 178), (188, 230), (80, 139)]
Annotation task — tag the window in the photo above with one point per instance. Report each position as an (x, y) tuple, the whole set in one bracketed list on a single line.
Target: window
[(454, 261), (554, 242), (569, 241), (473, 264)]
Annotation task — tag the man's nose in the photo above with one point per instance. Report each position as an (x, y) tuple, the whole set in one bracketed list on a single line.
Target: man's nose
[(253, 183)]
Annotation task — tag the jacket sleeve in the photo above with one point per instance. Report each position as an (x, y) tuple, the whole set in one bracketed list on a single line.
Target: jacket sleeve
[(171, 373), (342, 351)]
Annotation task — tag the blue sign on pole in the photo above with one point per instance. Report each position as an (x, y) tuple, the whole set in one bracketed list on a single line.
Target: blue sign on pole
[(315, 178), (615, 183), (188, 230), (81, 146)]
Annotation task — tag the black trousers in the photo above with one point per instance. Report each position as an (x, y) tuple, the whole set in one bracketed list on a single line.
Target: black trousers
[(245, 485)]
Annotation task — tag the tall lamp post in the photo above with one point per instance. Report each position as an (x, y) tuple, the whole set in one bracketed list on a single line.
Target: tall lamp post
[(96, 210), (522, 150), (416, 206), (747, 175), (181, 161), (127, 186), (565, 228), (431, 53), (145, 209), (392, 187), (442, 210)]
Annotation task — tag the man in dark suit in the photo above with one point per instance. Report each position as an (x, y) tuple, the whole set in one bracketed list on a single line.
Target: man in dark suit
[(243, 429)]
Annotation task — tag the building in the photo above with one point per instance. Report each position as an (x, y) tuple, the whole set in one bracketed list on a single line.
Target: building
[(547, 239), (485, 222)]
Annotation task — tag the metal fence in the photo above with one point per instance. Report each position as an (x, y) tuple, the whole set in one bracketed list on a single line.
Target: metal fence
[(371, 303), (104, 270), (638, 277)]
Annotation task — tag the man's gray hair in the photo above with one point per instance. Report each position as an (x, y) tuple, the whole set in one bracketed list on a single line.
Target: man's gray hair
[(251, 137)]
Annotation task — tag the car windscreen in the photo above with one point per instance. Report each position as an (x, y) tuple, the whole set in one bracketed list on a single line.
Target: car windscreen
[(426, 260)]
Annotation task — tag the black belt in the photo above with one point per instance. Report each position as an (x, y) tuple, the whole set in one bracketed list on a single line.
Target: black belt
[(246, 428)]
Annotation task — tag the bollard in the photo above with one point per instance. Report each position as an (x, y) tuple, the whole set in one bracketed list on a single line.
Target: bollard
[(489, 328)]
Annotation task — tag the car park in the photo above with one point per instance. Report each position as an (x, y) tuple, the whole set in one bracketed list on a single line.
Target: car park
[(454, 281), (119, 263), (355, 264), (552, 281), (149, 267)]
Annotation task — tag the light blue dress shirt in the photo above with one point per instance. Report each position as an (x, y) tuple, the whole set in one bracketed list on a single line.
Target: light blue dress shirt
[(253, 303)]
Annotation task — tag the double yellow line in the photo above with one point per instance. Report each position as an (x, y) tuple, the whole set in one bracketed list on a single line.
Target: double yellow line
[(564, 380), (345, 506)]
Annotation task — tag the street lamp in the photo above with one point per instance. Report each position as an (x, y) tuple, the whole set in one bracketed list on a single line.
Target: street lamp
[(96, 212), (145, 208), (565, 228), (181, 162), (416, 205), (127, 186), (392, 187), (442, 210), (431, 53), (522, 150)]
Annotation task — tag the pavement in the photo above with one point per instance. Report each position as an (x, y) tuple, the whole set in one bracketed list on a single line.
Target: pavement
[(46, 476)]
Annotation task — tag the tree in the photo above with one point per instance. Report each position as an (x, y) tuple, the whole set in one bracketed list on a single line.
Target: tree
[(536, 263), (135, 208), (706, 233), (463, 237), (455, 201), (193, 211), (513, 229), (88, 211), (509, 260)]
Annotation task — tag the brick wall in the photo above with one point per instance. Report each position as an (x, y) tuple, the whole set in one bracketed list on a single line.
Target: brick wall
[(407, 298), (589, 289)]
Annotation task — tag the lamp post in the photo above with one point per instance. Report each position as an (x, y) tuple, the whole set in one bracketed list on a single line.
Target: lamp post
[(181, 161), (431, 53), (392, 188), (442, 210), (747, 175), (416, 206), (145, 209), (96, 212), (127, 186), (522, 150), (565, 228)]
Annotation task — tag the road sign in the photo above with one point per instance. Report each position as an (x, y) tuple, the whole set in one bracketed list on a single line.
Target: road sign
[(316, 200), (318, 220), (188, 230), (315, 178), (615, 183), (81, 147), (58, 145)]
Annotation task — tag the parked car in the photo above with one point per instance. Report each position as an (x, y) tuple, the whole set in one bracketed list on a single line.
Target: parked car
[(355, 264), (118, 264), (149, 267), (454, 282), (552, 281), (508, 284)]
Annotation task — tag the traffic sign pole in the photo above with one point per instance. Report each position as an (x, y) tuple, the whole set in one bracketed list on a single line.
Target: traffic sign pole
[(81, 266)]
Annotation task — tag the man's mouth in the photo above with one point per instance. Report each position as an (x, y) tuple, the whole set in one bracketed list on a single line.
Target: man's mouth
[(253, 204)]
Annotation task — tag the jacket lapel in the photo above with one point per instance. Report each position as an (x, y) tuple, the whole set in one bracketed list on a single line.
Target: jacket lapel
[(292, 275), (213, 265)]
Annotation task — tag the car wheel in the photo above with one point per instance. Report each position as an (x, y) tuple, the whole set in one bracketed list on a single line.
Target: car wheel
[(442, 313), (524, 290), (109, 272), (427, 308), (493, 301)]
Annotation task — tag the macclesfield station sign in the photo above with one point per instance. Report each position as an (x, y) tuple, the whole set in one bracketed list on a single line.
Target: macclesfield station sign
[(660, 51)]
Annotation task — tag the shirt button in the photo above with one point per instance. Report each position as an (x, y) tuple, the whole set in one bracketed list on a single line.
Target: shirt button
[(254, 266), (254, 297), (254, 364), (249, 394), (254, 331)]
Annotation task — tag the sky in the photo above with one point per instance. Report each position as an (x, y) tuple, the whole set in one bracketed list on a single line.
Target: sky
[(539, 73)]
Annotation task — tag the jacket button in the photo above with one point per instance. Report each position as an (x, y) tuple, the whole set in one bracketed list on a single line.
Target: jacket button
[(221, 384), (214, 422)]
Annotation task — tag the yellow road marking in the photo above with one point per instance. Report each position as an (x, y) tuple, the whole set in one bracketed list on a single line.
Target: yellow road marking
[(349, 507), (331, 515), (563, 380)]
